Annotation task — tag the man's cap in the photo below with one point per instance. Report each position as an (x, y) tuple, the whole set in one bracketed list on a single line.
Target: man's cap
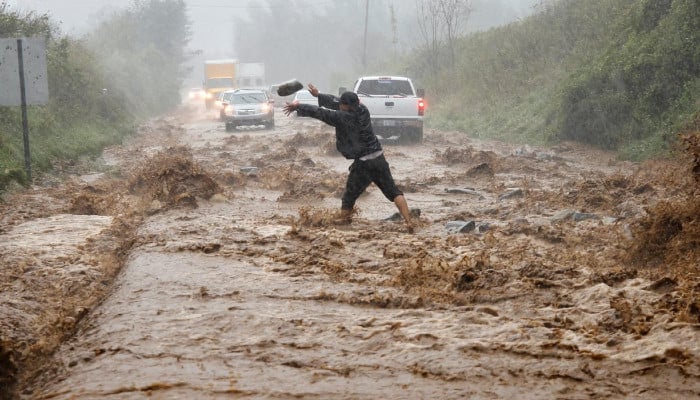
[(350, 99)]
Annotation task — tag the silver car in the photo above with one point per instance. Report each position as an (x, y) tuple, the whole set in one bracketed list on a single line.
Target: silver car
[(247, 107), (305, 97)]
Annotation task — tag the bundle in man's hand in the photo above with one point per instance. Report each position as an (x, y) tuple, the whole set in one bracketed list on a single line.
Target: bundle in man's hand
[(289, 87)]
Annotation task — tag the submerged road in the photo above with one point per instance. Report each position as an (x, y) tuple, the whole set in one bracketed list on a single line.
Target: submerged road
[(242, 297)]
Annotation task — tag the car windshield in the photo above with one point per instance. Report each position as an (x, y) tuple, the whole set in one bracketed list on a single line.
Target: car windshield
[(385, 87), (247, 98)]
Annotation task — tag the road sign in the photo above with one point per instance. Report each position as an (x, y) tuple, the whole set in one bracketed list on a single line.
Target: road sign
[(23, 81), (36, 85)]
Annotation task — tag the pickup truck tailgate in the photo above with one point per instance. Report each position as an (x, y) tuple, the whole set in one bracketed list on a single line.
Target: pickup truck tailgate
[(388, 107)]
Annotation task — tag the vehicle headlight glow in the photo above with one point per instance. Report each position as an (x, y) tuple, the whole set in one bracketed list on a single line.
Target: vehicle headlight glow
[(265, 108)]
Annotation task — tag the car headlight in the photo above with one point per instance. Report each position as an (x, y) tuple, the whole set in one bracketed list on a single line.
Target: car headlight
[(228, 110), (209, 96), (266, 108)]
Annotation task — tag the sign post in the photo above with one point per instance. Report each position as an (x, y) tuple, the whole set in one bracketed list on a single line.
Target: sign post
[(23, 81), (25, 120)]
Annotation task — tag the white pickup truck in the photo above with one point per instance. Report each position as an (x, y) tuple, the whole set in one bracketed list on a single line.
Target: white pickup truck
[(396, 107)]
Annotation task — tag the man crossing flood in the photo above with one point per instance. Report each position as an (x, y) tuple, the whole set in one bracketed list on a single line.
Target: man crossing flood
[(355, 140)]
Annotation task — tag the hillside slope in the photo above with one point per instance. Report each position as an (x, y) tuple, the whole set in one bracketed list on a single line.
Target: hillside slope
[(618, 74)]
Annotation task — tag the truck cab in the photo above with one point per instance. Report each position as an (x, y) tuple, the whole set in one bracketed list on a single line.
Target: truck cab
[(219, 76)]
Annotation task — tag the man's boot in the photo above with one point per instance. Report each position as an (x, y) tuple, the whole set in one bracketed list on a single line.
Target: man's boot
[(401, 204), (344, 218)]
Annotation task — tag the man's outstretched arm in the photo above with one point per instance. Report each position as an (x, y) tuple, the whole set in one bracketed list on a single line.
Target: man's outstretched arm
[(324, 100), (331, 117)]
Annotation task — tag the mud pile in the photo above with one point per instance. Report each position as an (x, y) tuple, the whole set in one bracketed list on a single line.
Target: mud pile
[(318, 217), (668, 238), (171, 178), (692, 144), (302, 184), (294, 172), (465, 155)]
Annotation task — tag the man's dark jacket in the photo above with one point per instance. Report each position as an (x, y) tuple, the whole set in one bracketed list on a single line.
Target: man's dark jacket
[(354, 137)]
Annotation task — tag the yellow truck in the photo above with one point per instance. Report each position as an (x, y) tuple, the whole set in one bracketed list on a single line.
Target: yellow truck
[(219, 75)]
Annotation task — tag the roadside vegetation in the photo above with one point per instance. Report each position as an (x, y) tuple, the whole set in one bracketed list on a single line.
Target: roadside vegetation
[(100, 86), (622, 75)]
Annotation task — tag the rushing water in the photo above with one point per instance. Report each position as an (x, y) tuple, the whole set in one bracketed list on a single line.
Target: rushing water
[(234, 300)]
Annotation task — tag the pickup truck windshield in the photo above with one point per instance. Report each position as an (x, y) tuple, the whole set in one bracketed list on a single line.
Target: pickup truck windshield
[(385, 88)]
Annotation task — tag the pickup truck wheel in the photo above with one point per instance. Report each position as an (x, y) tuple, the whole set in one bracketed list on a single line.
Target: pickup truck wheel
[(230, 127), (412, 135), (418, 135)]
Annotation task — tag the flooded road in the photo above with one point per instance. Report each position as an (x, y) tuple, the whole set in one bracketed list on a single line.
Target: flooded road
[(517, 284)]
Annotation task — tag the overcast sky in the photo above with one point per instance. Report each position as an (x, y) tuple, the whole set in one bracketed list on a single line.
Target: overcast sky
[(212, 19)]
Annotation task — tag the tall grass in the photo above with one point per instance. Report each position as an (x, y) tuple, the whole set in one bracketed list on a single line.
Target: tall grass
[(78, 120)]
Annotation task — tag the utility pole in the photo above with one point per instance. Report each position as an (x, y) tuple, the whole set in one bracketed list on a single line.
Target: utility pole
[(364, 51)]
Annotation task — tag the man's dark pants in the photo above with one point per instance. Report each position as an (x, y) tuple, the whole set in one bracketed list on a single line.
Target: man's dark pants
[(362, 174)]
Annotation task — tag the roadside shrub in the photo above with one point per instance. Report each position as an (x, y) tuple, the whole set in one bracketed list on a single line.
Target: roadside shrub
[(617, 74), (630, 92)]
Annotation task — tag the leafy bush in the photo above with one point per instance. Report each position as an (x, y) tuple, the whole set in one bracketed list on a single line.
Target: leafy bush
[(630, 92), (619, 74)]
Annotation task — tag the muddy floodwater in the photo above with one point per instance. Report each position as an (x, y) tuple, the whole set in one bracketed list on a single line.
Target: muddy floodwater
[(195, 263)]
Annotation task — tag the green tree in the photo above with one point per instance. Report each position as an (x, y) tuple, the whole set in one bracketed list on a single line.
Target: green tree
[(143, 49)]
